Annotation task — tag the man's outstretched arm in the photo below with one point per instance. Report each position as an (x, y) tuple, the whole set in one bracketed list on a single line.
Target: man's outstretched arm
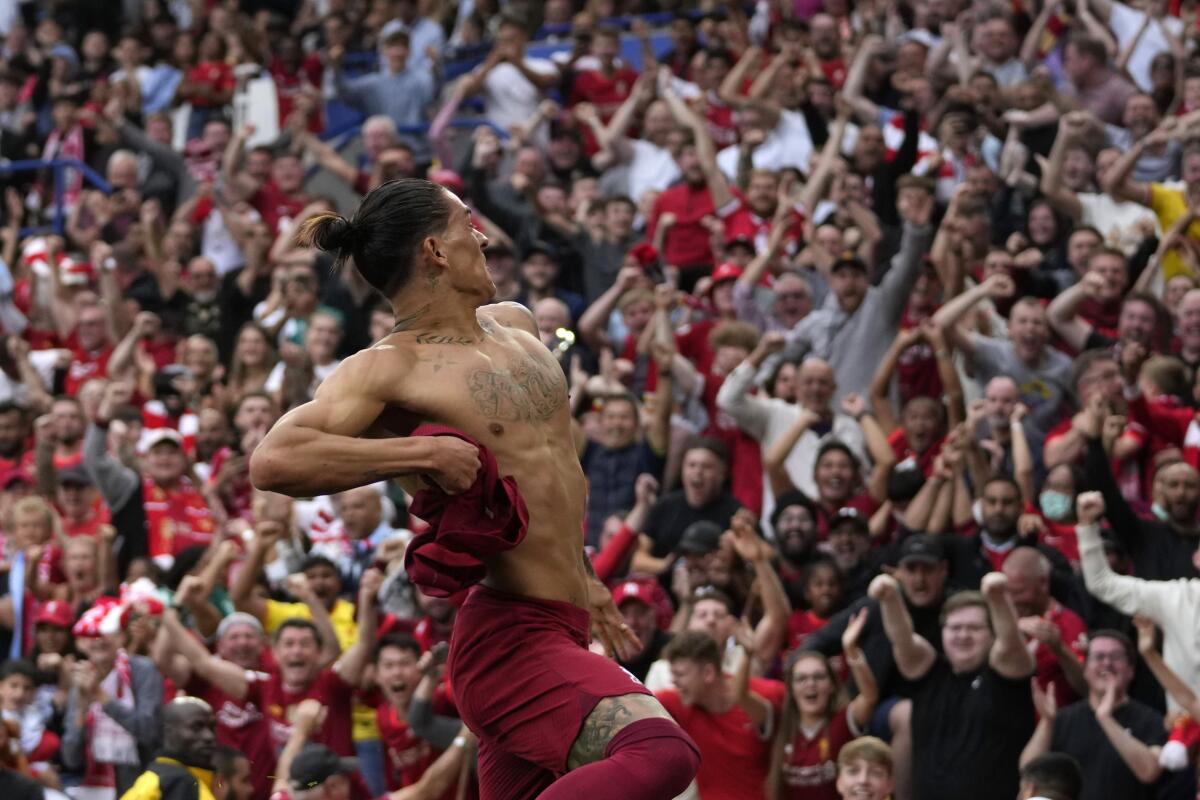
[(315, 448)]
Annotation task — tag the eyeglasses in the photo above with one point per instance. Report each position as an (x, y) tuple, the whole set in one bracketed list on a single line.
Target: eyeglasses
[(812, 677)]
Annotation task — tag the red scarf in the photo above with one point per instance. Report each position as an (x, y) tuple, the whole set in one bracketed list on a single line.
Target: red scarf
[(176, 518)]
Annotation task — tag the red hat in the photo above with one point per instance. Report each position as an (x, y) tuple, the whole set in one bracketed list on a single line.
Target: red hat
[(648, 592), (449, 179), (102, 618), (644, 254), (55, 612), (726, 272)]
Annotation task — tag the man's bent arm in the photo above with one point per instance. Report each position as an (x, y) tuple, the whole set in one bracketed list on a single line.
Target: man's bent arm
[(314, 449)]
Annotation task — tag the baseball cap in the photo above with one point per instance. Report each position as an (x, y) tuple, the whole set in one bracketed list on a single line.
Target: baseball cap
[(55, 612), (16, 475), (700, 538), (634, 590), (850, 261), (316, 764), (849, 518), (726, 272), (543, 247), (74, 475), (156, 436), (921, 547)]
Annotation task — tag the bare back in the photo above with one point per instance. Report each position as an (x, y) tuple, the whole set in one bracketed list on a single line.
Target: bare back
[(510, 394)]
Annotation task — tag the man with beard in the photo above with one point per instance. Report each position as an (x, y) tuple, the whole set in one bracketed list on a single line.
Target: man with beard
[(241, 723), (839, 485), (1115, 739), (972, 557), (183, 771), (851, 548), (794, 522), (1160, 549), (203, 310), (14, 430), (301, 675), (67, 426), (971, 711)]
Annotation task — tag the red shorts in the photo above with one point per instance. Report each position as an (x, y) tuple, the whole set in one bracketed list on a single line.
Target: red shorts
[(524, 681)]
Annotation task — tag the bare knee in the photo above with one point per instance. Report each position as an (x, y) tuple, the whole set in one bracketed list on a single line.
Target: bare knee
[(607, 719)]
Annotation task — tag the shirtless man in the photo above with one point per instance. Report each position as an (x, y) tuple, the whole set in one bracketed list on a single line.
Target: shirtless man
[(519, 658)]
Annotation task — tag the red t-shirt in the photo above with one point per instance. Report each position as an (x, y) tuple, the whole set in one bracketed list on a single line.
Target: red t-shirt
[(862, 502), (916, 371), (687, 243), (742, 223), (899, 443), (275, 206), (241, 725), (405, 757), (801, 625), (1049, 670), (733, 757), (217, 75), (279, 705), (85, 366), (289, 85), (810, 765), (89, 525), (1061, 536)]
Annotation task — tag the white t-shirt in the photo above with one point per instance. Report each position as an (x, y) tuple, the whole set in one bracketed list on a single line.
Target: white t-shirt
[(509, 98), (1125, 22), (788, 145), (1118, 222), (651, 167)]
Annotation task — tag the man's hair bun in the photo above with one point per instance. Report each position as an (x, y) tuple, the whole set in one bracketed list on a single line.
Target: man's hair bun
[(329, 232)]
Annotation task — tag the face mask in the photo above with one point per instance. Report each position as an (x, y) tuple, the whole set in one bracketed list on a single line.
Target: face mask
[(1160, 512), (1055, 505)]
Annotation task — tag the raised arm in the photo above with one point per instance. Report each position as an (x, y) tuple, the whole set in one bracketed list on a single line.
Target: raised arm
[(225, 675), (914, 656), (1141, 758), (315, 448), (1009, 655), (1060, 197), (863, 704), (881, 384), (882, 456), (298, 587), (775, 458), (241, 591), (1063, 311), (706, 151), (771, 630), (329, 159), (947, 317), (352, 663), (594, 321), (1174, 685), (1157, 600)]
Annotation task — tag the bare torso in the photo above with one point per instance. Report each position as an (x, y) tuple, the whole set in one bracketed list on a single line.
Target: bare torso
[(510, 395)]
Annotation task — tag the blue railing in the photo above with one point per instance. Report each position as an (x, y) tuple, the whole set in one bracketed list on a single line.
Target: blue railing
[(59, 167)]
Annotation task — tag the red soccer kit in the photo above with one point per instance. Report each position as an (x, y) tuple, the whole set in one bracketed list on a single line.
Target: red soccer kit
[(279, 705), (810, 764), (242, 726), (733, 757), (405, 756)]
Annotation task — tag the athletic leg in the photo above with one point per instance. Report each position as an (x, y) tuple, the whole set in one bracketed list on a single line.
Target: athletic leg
[(628, 747)]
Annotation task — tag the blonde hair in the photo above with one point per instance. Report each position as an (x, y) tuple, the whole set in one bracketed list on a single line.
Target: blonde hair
[(866, 748)]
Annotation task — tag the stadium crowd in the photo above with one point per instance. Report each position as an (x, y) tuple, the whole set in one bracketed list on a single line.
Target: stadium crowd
[(880, 323)]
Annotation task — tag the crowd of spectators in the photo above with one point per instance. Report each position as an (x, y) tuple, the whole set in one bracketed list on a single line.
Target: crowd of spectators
[(881, 327)]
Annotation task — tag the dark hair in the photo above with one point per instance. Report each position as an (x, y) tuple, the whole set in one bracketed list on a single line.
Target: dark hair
[(8, 407), (714, 446), (18, 666), (185, 562), (401, 641), (693, 646), (302, 624), (397, 37), (318, 560), (1117, 636), (386, 232), (1084, 362), (1007, 481), (788, 499), (225, 760), (1055, 776), (1089, 46), (841, 447)]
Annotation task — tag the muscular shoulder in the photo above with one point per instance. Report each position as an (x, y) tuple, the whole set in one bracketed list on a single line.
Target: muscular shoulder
[(511, 315), (378, 366)]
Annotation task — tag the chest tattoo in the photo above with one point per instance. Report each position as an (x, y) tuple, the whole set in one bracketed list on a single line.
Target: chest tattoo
[(528, 391)]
